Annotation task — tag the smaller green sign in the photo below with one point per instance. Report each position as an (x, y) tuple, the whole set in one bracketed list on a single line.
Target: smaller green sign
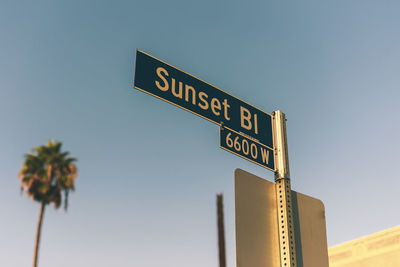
[(247, 148)]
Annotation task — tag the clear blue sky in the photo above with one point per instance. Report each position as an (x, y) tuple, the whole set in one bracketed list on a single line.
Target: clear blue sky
[(148, 171)]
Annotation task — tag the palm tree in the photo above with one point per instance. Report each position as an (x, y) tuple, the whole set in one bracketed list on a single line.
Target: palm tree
[(46, 175)]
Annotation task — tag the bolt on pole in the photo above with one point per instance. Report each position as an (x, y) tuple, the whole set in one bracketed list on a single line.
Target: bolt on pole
[(283, 190)]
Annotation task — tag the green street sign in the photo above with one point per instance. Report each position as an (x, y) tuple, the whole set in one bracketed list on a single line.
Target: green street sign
[(247, 148), (181, 89)]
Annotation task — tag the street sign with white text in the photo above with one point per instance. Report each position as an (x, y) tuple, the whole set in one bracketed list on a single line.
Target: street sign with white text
[(247, 148), (181, 89)]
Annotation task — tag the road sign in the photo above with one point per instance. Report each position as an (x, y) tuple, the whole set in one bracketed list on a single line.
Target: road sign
[(256, 215), (247, 148), (181, 89)]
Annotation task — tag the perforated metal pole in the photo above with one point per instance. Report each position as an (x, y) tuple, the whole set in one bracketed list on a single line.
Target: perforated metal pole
[(283, 190)]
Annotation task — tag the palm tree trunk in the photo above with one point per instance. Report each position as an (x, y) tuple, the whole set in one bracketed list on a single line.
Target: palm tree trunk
[(38, 230)]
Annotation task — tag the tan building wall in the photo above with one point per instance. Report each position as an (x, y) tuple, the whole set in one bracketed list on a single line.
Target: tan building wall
[(380, 249)]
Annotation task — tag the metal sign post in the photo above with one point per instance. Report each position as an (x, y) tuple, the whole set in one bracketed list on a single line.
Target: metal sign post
[(287, 246)]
